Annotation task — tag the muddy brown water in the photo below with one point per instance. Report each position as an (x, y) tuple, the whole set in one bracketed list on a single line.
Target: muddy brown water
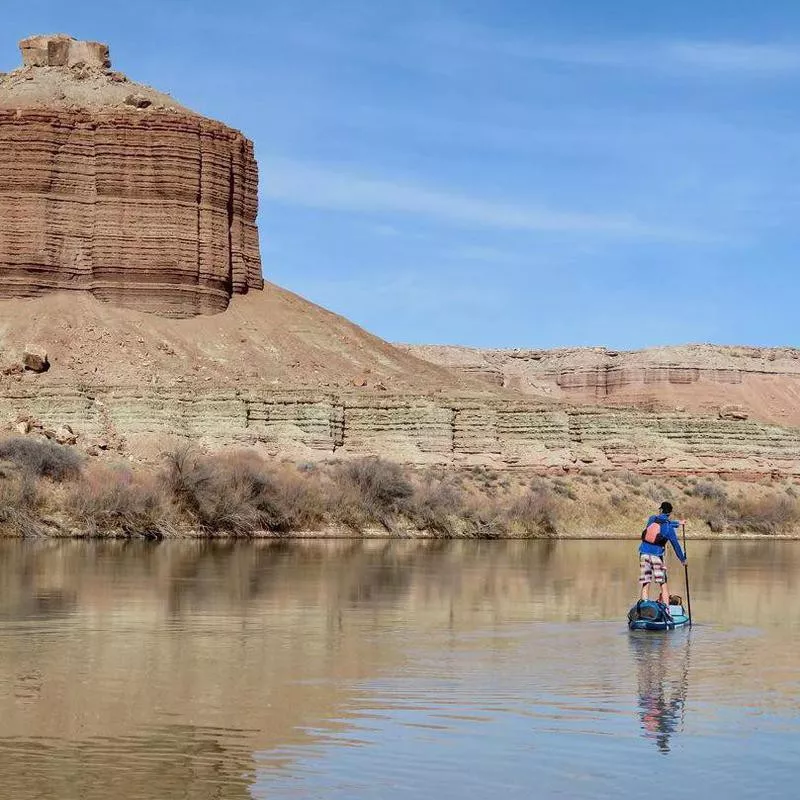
[(389, 669)]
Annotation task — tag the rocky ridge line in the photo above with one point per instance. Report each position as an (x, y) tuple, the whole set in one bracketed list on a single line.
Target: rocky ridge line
[(727, 381)]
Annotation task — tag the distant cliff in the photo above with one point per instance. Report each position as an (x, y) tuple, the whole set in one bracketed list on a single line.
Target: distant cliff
[(729, 382)]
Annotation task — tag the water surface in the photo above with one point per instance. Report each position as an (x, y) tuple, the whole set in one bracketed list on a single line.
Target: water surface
[(391, 669)]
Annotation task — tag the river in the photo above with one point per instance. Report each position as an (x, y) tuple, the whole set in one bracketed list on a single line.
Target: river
[(392, 669)]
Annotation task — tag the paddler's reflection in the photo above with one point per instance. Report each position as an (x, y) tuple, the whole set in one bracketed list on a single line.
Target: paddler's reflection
[(662, 666)]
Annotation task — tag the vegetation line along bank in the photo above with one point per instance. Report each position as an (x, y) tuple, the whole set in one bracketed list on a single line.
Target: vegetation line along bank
[(48, 489)]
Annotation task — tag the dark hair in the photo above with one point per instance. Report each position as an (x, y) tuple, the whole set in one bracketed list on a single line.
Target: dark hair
[(666, 507)]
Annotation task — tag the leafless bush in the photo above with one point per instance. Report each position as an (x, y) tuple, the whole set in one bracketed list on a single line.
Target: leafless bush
[(216, 492), (707, 490), (658, 492), (534, 514), (560, 486), (239, 493), (437, 504), (629, 477), (20, 503), (117, 501), (299, 501), (769, 514), (186, 474), (370, 490), (42, 459)]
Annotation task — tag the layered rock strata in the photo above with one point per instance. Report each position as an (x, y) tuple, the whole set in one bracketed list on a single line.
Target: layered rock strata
[(449, 431), (108, 187), (732, 382)]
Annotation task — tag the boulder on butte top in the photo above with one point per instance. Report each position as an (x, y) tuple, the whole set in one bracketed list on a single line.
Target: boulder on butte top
[(60, 50)]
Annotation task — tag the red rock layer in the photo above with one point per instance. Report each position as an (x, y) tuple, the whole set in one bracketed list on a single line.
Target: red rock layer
[(152, 211), (729, 381)]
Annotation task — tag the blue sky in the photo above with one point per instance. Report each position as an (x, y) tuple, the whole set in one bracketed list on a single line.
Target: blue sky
[(505, 173)]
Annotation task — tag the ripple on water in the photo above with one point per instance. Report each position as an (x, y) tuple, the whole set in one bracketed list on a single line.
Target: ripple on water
[(531, 709)]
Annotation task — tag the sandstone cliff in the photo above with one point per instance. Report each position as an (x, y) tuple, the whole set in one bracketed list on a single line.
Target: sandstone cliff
[(731, 382), (455, 431), (112, 188)]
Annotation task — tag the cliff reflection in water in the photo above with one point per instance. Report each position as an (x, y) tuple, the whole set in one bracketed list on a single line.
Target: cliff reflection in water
[(544, 579), (127, 670), (173, 761)]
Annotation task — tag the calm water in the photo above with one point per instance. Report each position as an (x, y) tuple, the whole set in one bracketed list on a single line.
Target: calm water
[(392, 670)]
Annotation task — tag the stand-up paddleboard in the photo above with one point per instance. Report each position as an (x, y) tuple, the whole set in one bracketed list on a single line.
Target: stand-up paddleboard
[(650, 615)]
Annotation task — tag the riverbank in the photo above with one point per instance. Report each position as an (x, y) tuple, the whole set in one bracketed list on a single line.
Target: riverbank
[(52, 490)]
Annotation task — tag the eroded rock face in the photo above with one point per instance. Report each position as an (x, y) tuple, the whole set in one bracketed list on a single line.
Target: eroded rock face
[(734, 382), (145, 204), (456, 432)]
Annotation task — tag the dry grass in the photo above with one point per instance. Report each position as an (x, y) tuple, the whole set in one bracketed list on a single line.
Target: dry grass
[(20, 504), (115, 501), (41, 459), (240, 493)]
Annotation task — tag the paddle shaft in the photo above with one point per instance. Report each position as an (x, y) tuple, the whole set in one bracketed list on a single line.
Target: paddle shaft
[(686, 576)]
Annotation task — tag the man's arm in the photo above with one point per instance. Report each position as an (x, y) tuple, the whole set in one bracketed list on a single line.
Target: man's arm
[(673, 538)]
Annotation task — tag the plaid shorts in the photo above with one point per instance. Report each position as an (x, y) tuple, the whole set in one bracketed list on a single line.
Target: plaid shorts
[(651, 568)]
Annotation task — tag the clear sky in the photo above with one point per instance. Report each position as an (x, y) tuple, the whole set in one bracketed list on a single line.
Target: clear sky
[(509, 173)]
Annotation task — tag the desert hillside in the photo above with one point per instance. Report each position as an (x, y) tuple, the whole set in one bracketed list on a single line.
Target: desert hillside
[(269, 338)]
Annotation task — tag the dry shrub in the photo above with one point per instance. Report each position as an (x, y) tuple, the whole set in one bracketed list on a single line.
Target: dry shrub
[(113, 501), (42, 459), (659, 493), (185, 474), (240, 493), (618, 501), (533, 514), (20, 504), (629, 477), (560, 486), (369, 490), (437, 505), (769, 514), (708, 490)]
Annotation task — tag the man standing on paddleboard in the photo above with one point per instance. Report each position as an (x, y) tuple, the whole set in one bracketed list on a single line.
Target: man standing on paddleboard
[(659, 530)]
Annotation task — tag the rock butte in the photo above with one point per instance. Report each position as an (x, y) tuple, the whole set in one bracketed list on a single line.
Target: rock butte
[(113, 192), (111, 187)]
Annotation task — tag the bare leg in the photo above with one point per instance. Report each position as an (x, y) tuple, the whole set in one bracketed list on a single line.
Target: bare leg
[(645, 587), (664, 594)]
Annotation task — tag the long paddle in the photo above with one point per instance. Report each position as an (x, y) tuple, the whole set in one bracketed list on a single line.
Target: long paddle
[(686, 576)]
